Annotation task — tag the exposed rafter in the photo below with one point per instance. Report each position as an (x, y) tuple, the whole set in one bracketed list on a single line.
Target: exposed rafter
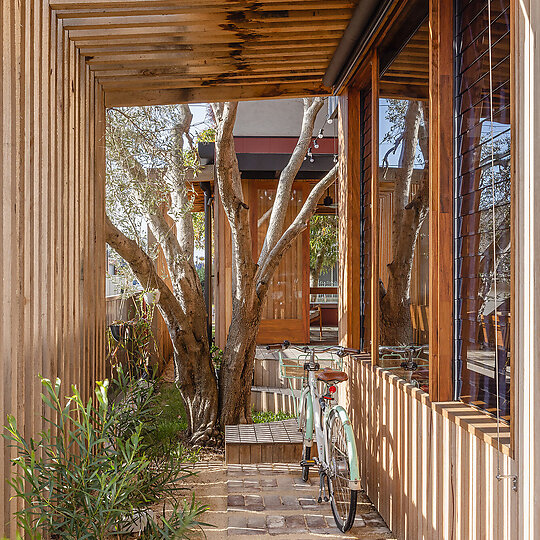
[(165, 51)]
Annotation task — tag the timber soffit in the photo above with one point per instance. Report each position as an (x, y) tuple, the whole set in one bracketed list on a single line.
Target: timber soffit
[(147, 52)]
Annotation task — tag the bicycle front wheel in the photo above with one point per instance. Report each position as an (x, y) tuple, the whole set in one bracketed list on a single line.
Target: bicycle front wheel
[(343, 482), (305, 425)]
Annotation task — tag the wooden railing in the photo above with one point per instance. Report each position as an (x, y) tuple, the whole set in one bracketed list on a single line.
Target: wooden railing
[(323, 290)]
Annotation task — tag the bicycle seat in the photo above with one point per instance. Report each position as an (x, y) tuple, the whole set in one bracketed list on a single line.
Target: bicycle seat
[(331, 376)]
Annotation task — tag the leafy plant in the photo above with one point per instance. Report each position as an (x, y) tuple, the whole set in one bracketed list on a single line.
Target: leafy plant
[(87, 476), (217, 356), (323, 245), (260, 417), (134, 338), (162, 431)]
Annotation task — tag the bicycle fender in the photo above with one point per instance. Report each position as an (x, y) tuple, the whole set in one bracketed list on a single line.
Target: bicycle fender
[(354, 481), (308, 437)]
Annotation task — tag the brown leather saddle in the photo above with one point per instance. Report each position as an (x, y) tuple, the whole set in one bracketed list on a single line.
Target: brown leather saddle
[(328, 375)]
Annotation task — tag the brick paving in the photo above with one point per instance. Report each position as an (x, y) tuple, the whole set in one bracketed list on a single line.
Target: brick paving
[(271, 500), (267, 500)]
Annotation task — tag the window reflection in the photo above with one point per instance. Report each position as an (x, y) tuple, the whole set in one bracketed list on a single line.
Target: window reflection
[(482, 248), (403, 239)]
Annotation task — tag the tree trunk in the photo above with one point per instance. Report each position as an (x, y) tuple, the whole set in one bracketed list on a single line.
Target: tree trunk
[(196, 381), (407, 219), (186, 322), (236, 373), (315, 271)]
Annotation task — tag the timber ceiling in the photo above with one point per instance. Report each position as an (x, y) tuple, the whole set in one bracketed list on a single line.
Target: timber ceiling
[(147, 52), (408, 74)]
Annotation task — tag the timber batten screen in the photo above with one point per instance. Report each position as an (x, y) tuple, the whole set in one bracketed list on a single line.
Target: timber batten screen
[(483, 185)]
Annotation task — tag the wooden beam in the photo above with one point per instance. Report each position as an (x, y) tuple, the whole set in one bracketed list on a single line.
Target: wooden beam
[(204, 17), (212, 65), (204, 42), (136, 98), (300, 48), (440, 201), (140, 84), (253, 31), (107, 5)]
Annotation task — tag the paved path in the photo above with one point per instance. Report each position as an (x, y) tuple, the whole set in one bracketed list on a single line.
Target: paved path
[(266, 500)]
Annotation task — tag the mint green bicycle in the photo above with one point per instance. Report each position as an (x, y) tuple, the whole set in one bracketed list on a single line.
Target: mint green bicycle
[(322, 419)]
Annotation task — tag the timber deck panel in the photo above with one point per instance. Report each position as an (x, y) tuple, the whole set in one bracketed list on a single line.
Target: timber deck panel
[(263, 443)]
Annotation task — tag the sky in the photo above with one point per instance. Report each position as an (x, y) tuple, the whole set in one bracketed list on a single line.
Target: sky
[(199, 112)]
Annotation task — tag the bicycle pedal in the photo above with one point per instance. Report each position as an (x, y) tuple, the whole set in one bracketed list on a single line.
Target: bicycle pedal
[(319, 500), (308, 463)]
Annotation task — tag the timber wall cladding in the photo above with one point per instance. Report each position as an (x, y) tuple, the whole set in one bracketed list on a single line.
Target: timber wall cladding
[(428, 477), (51, 238)]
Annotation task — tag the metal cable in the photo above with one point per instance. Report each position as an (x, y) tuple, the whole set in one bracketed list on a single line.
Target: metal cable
[(499, 476)]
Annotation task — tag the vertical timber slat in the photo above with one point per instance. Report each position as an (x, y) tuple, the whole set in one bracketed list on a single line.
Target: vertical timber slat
[(51, 230)]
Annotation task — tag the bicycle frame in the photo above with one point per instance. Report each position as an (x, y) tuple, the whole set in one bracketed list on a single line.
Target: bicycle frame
[(318, 423)]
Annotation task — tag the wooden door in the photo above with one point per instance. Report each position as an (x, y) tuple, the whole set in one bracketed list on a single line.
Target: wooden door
[(286, 309)]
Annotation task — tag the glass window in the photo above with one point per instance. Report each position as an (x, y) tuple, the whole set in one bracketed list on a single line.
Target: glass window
[(404, 239), (482, 249)]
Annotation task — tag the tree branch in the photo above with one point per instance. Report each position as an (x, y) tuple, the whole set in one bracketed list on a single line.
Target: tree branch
[(312, 106), (231, 195), (144, 268), (270, 262)]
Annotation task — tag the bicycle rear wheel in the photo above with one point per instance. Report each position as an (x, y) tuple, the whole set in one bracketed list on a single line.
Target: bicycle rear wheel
[(341, 462)]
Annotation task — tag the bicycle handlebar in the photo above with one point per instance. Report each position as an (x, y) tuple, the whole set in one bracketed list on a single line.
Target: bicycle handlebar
[(340, 351), (285, 345)]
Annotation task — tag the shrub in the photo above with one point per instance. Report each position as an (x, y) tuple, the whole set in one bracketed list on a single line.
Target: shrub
[(260, 417), (88, 477), (162, 431)]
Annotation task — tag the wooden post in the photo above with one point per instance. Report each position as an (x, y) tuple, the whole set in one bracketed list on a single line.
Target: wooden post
[(440, 200), (350, 200), (374, 209)]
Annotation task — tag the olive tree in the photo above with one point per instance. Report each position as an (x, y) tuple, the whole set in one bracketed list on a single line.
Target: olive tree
[(154, 165)]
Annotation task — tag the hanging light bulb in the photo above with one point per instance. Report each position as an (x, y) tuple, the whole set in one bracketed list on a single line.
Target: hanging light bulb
[(329, 120), (328, 201), (311, 160), (321, 132), (315, 144), (335, 158)]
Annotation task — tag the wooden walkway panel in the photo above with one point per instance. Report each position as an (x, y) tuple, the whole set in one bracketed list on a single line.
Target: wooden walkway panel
[(263, 443)]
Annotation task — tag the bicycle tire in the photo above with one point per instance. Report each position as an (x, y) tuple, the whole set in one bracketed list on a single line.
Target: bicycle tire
[(343, 499), (306, 454), (306, 450)]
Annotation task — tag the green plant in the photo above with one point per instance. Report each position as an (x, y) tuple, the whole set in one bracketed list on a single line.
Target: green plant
[(260, 417), (167, 421), (135, 338), (217, 356), (87, 476)]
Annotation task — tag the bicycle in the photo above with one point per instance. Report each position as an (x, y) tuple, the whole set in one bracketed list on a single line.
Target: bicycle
[(337, 459), (408, 362)]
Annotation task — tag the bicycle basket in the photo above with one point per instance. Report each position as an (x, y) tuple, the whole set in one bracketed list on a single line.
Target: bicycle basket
[(293, 367)]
